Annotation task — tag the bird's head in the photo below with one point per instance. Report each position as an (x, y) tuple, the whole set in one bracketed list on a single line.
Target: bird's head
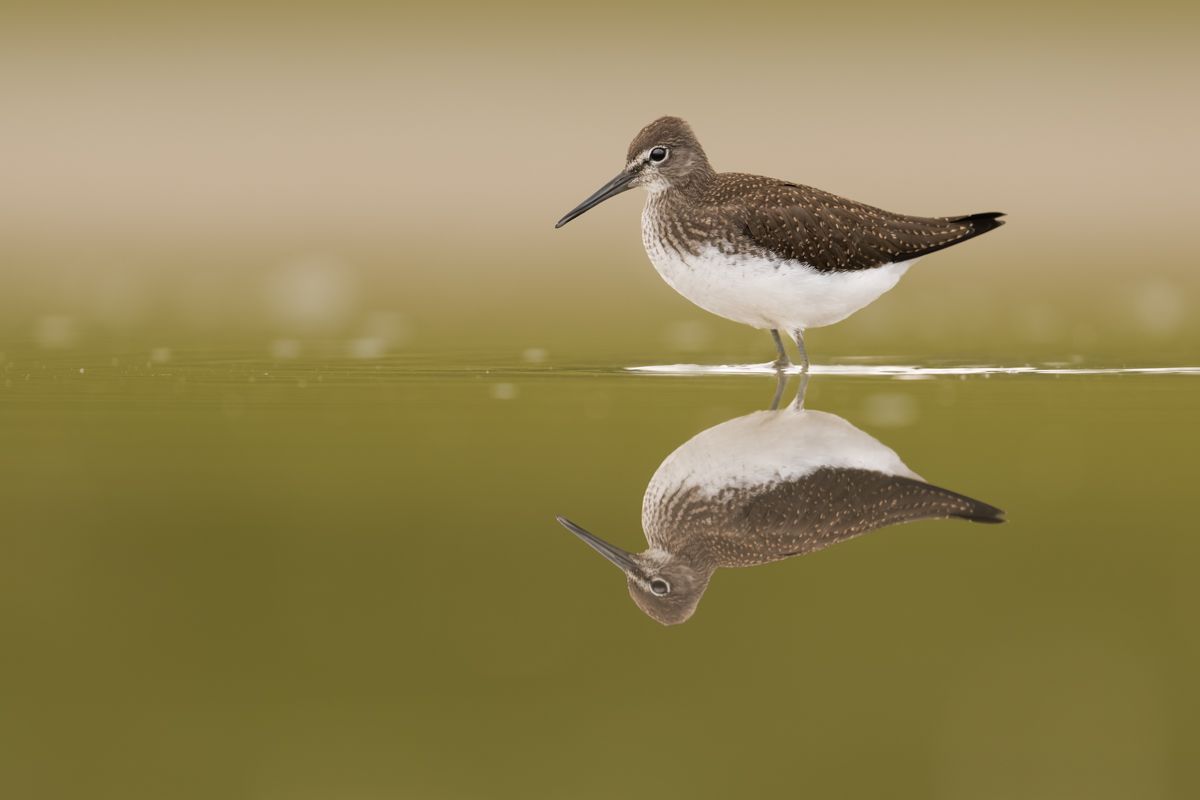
[(663, 586), (664, 155)]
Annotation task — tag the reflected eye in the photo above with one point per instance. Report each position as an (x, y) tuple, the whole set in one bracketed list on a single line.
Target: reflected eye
[(660, 587), (657, 156)]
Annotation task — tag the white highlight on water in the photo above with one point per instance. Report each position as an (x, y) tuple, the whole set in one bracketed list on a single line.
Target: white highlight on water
[(903, 371)]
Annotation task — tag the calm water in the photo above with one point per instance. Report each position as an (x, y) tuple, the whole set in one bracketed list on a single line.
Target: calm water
[(230, 576)]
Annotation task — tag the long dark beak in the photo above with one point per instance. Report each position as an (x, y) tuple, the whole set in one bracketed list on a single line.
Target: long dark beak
[(613, 188), (614, 554)]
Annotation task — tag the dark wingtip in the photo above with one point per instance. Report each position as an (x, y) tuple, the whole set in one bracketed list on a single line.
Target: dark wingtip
[(959, 506), (978, 223), (981, 223), (982, 512)]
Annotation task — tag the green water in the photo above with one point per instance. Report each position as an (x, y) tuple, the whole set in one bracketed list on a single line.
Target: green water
[(225, 576)]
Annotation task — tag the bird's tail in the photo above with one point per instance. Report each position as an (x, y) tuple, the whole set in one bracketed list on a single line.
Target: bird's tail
[(982, 512), (980, 223), (969, 508), (926, 501)]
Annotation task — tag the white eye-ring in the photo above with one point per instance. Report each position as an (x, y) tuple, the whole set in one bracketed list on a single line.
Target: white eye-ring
[(659, 587), (657, 156)]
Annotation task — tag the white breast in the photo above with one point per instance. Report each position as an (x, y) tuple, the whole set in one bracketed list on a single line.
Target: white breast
[(765, 292)]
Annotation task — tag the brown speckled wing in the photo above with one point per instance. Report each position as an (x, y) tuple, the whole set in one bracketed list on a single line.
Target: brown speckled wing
[(831, 233), (743, 527)]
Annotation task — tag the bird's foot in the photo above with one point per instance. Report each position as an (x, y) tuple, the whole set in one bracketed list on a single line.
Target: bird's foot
[(781, 364)]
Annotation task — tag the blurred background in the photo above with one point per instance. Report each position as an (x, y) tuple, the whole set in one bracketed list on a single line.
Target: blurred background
[(177, 175), (295, 373)]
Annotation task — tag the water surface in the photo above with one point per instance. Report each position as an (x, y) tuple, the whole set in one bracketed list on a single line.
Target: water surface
[(227, 575)]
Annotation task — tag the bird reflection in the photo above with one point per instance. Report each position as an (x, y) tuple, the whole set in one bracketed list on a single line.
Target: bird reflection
[(764, 487)]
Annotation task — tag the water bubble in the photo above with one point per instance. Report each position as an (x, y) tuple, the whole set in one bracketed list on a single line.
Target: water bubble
[(313, 292), (160, 355), (55, 331), (118, 298), (367, 347), (890, 410), (504, 391), (285, 349), (534, 355), (1160, 308), (390, 327), (689, 336)]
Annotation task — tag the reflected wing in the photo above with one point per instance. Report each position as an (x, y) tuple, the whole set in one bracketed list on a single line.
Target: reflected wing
[(832, 505), (831, 233), (754, 526)]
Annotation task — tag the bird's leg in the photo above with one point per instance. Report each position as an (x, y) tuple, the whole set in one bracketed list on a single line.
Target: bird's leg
[(781, 381), (799, 336), (783, 362)]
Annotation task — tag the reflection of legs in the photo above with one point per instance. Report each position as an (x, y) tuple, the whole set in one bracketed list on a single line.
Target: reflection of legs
[(799, 335), (783, 362), (798, 403), (781, 380)]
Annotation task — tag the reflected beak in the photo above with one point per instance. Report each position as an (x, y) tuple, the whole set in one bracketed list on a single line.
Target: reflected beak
[(614, 554), (621, 183)]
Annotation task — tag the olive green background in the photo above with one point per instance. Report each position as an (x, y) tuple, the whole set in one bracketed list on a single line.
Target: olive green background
[(295, 373)]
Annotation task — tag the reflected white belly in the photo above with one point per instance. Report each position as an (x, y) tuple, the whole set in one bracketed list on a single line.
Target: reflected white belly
[(762, 450), (765, 448), (768, 293)]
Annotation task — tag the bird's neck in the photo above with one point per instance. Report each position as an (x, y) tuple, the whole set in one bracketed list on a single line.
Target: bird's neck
[(696, 182), (682, 193)]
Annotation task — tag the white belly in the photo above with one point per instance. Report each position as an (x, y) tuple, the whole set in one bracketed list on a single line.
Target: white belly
[(768, 293)]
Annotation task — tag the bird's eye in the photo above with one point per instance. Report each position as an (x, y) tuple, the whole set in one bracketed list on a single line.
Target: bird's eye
[(660, 587), (657, 156)]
